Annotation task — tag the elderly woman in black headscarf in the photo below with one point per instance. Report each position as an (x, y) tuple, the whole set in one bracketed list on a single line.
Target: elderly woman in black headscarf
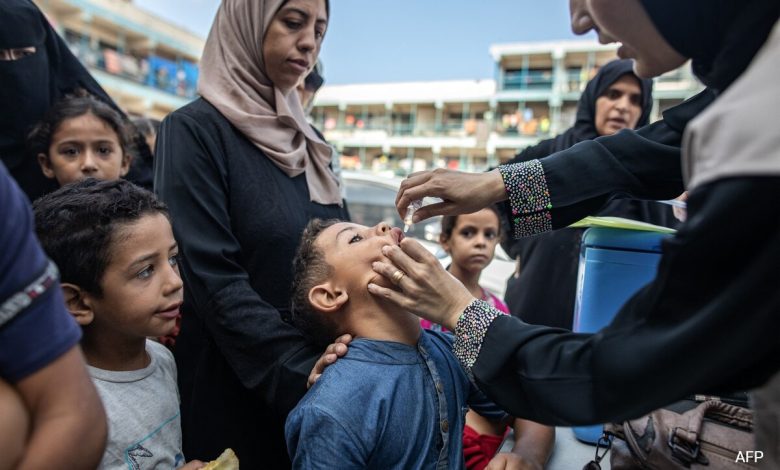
[(543, 288), (709, 320), (36, 70)]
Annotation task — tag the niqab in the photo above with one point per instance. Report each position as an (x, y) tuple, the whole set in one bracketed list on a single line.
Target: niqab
[(31, 85)]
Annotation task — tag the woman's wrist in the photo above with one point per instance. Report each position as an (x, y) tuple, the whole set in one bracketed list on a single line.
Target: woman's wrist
[(459, 305), (470, 330), (494, 186)]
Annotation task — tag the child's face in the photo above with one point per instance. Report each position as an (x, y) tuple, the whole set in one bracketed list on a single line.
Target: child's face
[(84, 147), (473, 241), (350, 249), (142, 288)]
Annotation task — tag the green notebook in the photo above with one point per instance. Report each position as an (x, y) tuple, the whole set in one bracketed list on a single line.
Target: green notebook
[(620, 222)]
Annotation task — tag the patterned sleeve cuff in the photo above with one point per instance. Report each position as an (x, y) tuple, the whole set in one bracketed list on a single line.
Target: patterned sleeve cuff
[(529, 197), (470, 331)]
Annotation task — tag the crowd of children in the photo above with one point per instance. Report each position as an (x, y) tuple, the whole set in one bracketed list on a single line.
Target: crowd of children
[(243, 173)]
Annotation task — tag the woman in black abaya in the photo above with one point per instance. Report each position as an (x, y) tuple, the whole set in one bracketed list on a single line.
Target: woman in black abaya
[(36, 70), (542, 290), (709, 320)]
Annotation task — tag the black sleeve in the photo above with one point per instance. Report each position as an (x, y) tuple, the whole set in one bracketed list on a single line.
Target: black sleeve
[(708, 321), (511, 245), (540, 150), (265, 352), (642, 164)]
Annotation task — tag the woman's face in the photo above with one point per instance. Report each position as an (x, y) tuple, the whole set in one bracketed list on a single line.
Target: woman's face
[(620, 106), (292, 41), (626, 21), (16, 53)]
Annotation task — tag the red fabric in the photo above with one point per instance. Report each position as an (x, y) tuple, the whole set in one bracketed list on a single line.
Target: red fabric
[(479, 449)]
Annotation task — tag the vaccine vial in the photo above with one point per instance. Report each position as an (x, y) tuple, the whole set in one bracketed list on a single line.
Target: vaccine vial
[(410, 210)]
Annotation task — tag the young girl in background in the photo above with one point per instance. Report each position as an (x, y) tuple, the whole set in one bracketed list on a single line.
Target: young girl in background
[(471, 239), (81, 137)]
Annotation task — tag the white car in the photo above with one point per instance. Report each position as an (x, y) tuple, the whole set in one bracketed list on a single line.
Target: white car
[(371, 199)]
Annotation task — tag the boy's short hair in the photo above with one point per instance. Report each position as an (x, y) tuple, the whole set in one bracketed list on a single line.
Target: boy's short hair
[(76, 225), (310, 269)]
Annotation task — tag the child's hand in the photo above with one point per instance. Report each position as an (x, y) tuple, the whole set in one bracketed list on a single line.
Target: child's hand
[(511, 461), (334, 351), (192, 465)]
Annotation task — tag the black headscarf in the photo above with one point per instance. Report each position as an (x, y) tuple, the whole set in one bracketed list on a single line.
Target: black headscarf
[(721, 36), (31, 85), (584, 127)]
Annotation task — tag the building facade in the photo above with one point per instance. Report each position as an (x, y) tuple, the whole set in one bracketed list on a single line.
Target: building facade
[(148, 65), (472, 125)]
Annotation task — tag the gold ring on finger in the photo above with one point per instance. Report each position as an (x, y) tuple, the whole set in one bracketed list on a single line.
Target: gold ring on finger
[(397, 276)]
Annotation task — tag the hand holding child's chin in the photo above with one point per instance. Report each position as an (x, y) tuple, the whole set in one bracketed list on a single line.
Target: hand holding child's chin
[(422, 285)]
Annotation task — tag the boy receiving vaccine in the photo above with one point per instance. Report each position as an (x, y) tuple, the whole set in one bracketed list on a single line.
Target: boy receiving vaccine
[(398, 398), (114, 246)]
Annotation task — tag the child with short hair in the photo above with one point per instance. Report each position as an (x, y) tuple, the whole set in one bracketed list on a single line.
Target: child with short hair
[(81, 137), (398, 398), (114, 246)]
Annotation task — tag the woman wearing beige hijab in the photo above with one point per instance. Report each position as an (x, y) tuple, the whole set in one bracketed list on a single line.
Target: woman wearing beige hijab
[(242, 173)]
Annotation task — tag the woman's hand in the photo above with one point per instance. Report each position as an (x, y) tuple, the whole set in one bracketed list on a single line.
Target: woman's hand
[(332, 353), (425, 288), (681, 213), (461, 193)]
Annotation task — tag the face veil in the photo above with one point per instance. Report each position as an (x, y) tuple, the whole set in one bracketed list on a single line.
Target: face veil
[(31, 85)]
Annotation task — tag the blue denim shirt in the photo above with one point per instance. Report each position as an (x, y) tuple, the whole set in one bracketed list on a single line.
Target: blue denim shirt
[(387, 405)]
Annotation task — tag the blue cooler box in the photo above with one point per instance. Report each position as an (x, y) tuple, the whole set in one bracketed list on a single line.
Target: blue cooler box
[(614, 264)]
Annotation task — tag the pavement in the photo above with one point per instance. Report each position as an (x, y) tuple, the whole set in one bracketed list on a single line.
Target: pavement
[(568, 453)]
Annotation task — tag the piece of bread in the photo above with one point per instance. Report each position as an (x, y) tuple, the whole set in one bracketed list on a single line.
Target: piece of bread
[(226, 461)]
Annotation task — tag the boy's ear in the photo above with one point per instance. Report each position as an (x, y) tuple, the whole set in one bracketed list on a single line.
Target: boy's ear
[(327, 298), (77, 304), (43, 161)]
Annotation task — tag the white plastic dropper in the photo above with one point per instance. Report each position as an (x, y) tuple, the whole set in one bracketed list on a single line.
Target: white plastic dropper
[(410, 210)]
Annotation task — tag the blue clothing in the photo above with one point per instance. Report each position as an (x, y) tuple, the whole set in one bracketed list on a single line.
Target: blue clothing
[(387, 405), (32, 337)]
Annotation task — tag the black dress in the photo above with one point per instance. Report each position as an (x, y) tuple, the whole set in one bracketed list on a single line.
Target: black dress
[(238, 219), (31, 85), (718, 278), (544, 291)]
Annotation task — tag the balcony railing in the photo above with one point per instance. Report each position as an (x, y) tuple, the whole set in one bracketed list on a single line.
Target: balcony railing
[(528, 80), (178, 78)]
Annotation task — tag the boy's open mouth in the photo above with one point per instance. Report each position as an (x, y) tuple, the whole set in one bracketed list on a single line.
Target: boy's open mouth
[(397, 235)]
